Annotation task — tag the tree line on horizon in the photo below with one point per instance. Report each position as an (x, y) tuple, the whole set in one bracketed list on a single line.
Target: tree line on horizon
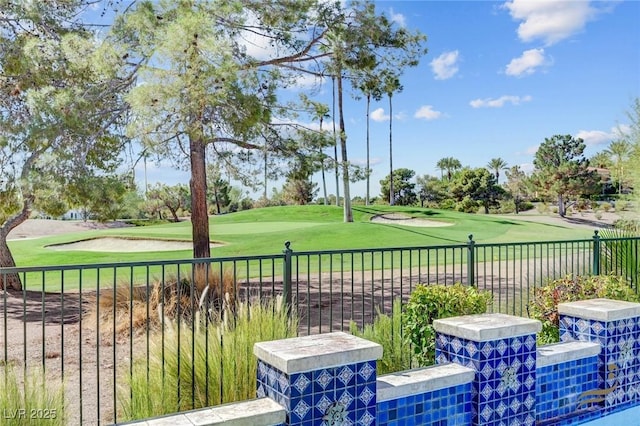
[(461, 188)]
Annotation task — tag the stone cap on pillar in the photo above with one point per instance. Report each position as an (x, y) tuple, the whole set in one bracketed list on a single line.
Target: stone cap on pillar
[(309, 353), (487, 327), (600, 309)]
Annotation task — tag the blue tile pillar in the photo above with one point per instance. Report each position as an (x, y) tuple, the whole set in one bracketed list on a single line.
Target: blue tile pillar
[(616, 326), (502, 351), (327, 379)]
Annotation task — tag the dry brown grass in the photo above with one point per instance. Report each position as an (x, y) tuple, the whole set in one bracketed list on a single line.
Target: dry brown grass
[(130, 309)]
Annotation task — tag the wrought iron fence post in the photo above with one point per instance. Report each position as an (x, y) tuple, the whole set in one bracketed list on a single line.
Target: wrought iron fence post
[(596, 254), (286, 280), (471, 261)]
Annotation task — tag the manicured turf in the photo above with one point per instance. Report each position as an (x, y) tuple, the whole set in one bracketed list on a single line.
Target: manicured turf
[(264, 231)]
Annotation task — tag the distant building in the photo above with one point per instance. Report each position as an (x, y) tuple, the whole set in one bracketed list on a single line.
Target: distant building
[(73, 215)]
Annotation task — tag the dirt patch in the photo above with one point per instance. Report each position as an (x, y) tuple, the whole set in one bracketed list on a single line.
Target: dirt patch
[(118, 245)]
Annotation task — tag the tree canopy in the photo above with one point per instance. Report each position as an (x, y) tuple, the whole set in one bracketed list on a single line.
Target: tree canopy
[(404, 193), (203, 88), (475, 187), (61, 109), (561, 170)]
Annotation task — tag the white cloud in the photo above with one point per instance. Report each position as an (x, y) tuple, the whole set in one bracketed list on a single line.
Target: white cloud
[(622, 130), (528, 168), (499, 102), (379, 115), (532, 150), (527, 63), (550, 20), (255, 44), (596, 137), (363, 161), (428, 113), (445, 66), (398, 18), (307, 81), (401, 116)]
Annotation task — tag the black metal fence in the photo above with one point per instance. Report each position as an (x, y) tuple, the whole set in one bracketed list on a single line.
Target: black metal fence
[(85, 324)]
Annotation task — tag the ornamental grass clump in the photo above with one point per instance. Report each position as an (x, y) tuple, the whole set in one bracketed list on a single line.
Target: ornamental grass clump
[(619, 251), (129, 309), (30, 400), (209, 363), (431, 302), (544, 306), (386, 330)]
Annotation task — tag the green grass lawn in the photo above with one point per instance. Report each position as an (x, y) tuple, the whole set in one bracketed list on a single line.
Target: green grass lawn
[(264, 231)]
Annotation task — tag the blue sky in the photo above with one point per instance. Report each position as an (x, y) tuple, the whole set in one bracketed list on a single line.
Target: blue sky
[(499, 78)]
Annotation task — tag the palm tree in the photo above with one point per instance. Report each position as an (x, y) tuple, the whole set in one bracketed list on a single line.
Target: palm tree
[(448, 164), (619, 151), (319, 112), (391, 84), (335, 139), (601, 160), (495, 165), (370, 86)]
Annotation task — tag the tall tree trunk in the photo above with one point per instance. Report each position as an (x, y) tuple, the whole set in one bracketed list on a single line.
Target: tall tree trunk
[(8, 281), (620, 180), (12, 281), (335, 139), (348, 214), (324, 184), (198, 185), (324, 180), (215, 194), (266, 175), (368, 171), (174, 214), (391, 193), (561, 210)]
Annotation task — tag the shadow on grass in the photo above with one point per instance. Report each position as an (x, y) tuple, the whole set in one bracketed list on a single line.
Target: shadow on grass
[(376, 211), (417, 231)]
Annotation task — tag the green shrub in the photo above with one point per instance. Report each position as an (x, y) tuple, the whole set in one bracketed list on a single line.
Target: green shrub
[(606, 206), (431, 302), (582, 204), (504, 207), (544, 306), (525, 205), (387, 331), (36, 401), (509, 206), (542, 208), (467, 205), (186, 367), (447, 204)]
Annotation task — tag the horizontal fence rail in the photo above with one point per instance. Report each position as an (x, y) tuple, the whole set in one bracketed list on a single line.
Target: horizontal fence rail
[(96, 327)]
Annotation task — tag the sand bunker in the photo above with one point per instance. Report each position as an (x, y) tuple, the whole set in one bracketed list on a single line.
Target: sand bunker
[(111, 244), (404, 220)]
